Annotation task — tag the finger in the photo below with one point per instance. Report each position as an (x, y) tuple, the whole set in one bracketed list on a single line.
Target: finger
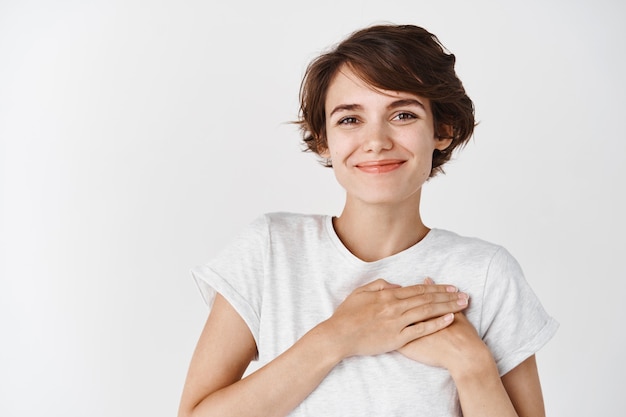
[(433, 298), (378, 285), (428, 281), (420, 289), (424, 328), (440, 305)]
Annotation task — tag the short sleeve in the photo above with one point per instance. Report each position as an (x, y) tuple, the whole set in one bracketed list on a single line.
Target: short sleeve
[(237, 273), (514, 324)]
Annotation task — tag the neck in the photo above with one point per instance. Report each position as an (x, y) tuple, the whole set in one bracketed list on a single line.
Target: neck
[(376, 231)]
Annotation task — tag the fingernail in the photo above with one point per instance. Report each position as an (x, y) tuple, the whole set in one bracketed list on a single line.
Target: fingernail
[(463, 299), (451, 289), (448, 317)]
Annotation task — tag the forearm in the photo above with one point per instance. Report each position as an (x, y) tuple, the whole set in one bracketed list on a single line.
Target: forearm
[(278, 387), (481, 392)]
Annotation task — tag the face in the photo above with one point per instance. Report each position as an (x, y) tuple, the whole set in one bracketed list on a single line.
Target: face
[(381, 142)]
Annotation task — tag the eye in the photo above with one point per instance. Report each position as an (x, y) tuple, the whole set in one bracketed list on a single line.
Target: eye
[(350, 120), (405, 116)]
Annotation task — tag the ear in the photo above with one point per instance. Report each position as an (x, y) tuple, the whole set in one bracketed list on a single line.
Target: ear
[(443, 137)]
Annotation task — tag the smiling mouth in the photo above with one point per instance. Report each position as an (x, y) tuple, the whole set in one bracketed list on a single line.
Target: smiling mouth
[(380, 167)]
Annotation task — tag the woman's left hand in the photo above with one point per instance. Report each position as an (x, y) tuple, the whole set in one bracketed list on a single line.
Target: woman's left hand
[(460, 350), (454, 347), (448, 347)]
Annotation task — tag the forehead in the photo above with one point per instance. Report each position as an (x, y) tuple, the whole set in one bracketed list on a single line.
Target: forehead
[(348, 87)]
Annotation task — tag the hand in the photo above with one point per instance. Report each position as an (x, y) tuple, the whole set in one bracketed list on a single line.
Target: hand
[(454, 347), (381, 317)]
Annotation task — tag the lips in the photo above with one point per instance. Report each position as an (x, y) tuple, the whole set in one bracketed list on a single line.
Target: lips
[(381, 166)]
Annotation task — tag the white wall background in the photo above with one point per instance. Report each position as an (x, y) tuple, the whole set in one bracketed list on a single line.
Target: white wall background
[(137, 136)]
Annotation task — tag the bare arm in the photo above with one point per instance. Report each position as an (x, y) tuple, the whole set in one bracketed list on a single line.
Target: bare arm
[(481, 392), (518, 393), (375, 318), (225, 349), (524, 389)]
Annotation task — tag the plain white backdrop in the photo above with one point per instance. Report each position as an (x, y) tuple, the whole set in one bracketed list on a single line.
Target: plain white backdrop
[(136, 137)]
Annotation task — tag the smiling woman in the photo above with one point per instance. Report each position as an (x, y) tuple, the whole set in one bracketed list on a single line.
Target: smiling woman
[(342, 313), (416, 64), (379, 132)]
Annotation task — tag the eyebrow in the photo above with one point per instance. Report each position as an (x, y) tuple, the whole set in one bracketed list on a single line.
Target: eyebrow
[(346, 107), (406, 102), (393, 105)]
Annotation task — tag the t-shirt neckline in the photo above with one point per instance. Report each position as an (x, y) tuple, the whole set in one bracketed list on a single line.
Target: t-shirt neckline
[(341, 248)]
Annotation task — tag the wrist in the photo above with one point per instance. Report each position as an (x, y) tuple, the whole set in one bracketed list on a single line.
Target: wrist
[(328, 346), (478, 366)]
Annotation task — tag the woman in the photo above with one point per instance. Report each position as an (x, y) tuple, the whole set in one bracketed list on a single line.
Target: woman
[(342, 314)]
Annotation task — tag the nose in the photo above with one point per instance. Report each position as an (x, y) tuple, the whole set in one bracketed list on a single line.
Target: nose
[(377, 138)]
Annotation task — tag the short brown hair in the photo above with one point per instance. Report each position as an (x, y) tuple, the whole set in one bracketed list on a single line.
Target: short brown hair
[(403, 58)]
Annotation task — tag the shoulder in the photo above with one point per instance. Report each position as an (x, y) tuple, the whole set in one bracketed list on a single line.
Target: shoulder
[(456, 245), (277, 222), (285, 222), (472, 253), (269, 229)]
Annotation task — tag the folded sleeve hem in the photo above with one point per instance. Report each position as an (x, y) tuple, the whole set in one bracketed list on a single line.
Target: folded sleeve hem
[(210, 283), (533, 346)]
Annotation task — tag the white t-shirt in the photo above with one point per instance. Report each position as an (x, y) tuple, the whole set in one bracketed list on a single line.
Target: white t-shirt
[(286, 273)]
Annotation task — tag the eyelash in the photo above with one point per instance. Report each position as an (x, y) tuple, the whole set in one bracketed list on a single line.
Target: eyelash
[(348, 120), (400, 116), (404, 116)]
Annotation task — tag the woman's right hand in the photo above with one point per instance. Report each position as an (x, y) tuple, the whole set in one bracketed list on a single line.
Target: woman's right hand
[(381, 317)]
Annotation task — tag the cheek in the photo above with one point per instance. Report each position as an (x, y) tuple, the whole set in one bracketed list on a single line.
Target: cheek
[(336, 149)]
